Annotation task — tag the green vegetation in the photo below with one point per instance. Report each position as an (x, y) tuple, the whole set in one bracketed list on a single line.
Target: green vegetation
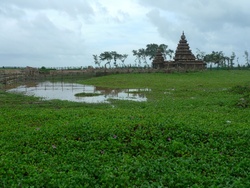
[(191, 132), (87, 94), (44, 70)]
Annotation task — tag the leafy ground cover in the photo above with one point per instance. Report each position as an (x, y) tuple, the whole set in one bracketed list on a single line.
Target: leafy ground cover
[(191, 132), (83, 94)]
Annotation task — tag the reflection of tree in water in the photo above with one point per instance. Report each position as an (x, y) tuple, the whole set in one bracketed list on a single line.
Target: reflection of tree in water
[(137, 92), (115, 92), (26, 84), (109, 91), (67, 91)]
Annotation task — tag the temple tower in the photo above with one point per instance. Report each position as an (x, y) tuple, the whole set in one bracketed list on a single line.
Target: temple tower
[(184, 59), (158, 61), (183, 52)]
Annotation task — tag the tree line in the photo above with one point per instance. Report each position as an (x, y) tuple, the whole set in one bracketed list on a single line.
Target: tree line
[(219, 59), (142, 56), (145, 55)]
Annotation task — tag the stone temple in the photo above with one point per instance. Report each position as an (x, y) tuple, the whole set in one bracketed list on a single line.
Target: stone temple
[(184, 59)]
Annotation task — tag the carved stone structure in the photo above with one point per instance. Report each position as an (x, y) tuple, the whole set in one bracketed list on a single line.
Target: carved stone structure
[(158, 61), (183, 59), (30, 71)]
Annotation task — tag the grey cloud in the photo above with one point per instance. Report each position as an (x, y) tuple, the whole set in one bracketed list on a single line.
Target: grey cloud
[(120, 16), (164, 26), (207, 15), (167, 28), (11, 12), (46, 32), (37, 40), (210, 25), (73, 7)]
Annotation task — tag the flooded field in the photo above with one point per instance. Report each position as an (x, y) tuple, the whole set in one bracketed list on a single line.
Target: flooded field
[(66, 91)]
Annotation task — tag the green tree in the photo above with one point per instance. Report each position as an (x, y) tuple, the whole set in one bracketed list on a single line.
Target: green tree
[(106, 56), (96, 60), (143, 55), (139, 56), (216, 58), (170, 53), (227, 59), (122, 58), (200, 55), (151, 50), (232, 58), (165, 51), (246, 55), (115, 56)]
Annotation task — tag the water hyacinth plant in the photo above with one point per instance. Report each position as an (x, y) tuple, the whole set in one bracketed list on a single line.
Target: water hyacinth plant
[(189, 133)]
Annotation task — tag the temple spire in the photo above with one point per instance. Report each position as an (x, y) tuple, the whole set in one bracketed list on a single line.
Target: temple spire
[(183, 52), (184, 59), (183, 37)]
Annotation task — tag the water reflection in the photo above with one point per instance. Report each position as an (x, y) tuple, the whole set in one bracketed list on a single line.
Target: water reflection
[(66, 91)]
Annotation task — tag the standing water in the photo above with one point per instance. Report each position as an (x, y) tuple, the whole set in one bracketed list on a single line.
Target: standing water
[(67, 91)]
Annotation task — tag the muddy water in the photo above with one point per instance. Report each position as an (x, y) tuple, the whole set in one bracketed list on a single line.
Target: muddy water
[(66, 91)]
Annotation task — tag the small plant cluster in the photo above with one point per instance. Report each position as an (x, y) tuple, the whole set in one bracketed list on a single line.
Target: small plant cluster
[(83, 94), (187, 134), (244, 91)]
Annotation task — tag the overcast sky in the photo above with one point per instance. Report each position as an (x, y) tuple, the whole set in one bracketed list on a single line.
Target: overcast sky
[(63, 33)]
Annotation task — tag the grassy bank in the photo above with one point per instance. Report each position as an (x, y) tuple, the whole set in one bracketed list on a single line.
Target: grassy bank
[(193, 131)]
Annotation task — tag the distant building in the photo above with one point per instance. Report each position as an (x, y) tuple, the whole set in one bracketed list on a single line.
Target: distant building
[(31, 71), (184, 58)]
